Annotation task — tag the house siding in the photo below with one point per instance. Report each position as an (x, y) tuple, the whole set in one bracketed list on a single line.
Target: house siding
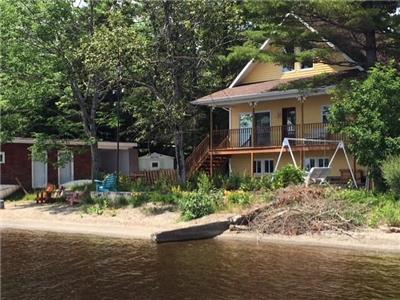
[(17, 165)]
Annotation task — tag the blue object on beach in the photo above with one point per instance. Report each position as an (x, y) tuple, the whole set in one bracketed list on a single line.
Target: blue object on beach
[(109, 184)]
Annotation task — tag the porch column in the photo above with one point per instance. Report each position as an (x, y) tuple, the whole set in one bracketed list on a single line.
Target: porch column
[(302, 98), (253, 129), (211, 140), (252, 164)]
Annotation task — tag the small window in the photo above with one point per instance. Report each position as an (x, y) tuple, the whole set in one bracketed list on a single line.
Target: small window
[(307, 64), (325, 110), (2, 157), (263, 166), (155, 165), (312, 162)]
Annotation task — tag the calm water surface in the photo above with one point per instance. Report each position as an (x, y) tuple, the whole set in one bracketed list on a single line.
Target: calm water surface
[(59, 266)]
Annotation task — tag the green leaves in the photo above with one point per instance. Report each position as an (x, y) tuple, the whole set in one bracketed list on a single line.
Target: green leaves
[(368, 113)]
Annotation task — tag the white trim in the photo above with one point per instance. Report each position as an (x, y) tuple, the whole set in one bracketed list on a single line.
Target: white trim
[(154, 168), (263, 160), (265, 44), (3, 157), (59, 168), (46, 173)]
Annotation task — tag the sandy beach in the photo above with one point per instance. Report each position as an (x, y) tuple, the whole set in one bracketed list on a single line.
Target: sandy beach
[(137, 223)]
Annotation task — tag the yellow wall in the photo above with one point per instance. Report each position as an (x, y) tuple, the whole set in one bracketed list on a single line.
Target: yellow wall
[(241, 164), (270, 71), (312, 110)]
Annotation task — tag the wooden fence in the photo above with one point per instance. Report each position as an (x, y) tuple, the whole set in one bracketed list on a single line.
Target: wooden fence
[(151, 177)]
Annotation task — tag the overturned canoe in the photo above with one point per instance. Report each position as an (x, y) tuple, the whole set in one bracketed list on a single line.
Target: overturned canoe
[(8, 189), (197, 232)]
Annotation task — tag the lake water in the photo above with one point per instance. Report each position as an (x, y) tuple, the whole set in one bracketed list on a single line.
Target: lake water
[(59, 266)]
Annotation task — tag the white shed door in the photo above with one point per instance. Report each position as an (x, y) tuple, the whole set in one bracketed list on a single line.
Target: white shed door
[(39, 174), (66, 172)]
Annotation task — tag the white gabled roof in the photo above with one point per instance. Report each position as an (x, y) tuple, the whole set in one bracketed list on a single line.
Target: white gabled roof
[(265, 45)]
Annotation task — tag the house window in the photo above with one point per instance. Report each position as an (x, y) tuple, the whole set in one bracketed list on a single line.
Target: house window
[(2, 157), (325, 110), (307, 64), (155, 165), (288, 66), (263, 166), (312, 162)]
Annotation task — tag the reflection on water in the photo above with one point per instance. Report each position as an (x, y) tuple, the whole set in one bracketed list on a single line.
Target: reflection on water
[(57, 266)]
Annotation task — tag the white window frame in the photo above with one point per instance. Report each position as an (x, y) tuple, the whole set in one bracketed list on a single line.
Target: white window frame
[(322, 111), (155, 168), (59, 168), (2, 157), (262, 161), (316, 158)]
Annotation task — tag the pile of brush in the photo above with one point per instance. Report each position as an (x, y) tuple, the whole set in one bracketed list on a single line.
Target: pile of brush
[(298, 210)]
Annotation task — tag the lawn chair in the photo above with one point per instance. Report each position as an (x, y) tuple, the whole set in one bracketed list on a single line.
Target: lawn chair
[(44, 196), (317, 174), (108, 184)]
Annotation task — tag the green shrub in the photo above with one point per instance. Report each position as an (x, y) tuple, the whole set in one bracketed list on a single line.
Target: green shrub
[(250, 184), (125, 184), (138, 199), (239, 197), (361, 196), (266, 182), (156, 196), (387, 213), (195, 205), (391, 174), (98, 206), (204, 183), (218, 181), (286, 176), (84, 187), (119, 201), (232, 182)]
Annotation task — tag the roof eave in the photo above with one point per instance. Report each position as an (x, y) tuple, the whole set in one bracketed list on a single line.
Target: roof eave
[(259, 97)]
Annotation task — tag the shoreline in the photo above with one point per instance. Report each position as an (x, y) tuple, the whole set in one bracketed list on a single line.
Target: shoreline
[(136, 223), (367, 240)]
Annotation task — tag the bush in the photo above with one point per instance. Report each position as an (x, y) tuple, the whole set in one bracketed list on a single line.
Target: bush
[(138, 199), (195, 205), (286, 176), (387, 213), (204, 183), (232, 182), (166, 198), (391, 174), (125, 184), (250, 184), (266, 182), (218, 181), (239, 197)]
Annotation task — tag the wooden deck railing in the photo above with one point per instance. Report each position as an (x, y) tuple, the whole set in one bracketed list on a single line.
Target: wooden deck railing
[(270, 136)]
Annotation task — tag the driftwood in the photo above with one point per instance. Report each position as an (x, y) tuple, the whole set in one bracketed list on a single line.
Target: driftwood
[(20, 184)]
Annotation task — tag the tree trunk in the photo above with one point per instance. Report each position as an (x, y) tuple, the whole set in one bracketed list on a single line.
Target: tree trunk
[(370, 48), (180, 157), (94, 151)]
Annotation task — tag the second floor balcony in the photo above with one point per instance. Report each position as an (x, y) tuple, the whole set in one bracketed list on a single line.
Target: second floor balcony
[(272, 136)]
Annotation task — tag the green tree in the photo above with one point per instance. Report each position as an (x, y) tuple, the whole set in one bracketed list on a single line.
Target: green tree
[(188, 41), (74, 54), (367, 31), (368, 114)]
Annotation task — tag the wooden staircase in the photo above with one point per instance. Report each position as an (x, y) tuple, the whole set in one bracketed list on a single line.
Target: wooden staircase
[(199, 159)]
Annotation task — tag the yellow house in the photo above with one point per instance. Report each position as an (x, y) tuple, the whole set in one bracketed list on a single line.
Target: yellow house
[(266, 105)]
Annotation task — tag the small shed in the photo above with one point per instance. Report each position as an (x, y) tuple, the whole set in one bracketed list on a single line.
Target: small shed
[(155, 161)]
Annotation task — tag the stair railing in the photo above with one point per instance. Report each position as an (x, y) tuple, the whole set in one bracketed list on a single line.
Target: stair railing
[(199, 153)]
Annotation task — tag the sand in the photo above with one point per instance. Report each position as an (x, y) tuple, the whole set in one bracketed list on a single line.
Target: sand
[(137, 223)]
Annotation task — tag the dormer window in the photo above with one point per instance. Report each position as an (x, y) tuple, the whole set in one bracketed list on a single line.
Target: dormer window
[(288, 67)]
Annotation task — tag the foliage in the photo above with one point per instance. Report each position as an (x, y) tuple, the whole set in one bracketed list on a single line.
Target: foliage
[(362, 29), (239, 197), (387, 213), (368, 114), (286, 176), (232, 182), (391, 173), (137, 199), (85, 187), (204, 183), (195, 205)]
